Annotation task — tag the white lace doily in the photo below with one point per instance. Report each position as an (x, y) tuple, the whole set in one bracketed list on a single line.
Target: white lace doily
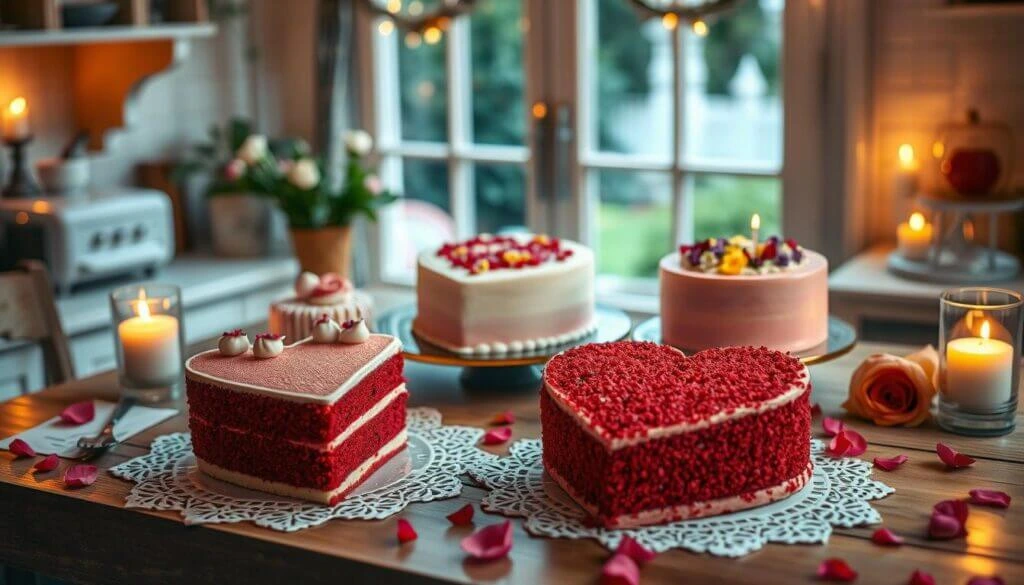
[(836, 495), (429, 469)]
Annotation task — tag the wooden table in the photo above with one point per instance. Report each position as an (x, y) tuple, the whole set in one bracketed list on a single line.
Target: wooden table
[(87, 536)]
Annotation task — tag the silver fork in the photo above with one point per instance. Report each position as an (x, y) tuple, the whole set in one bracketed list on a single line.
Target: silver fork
[(93, 447)]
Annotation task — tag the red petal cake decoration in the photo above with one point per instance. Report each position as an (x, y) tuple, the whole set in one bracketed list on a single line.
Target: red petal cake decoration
[(21, 449), (497, 436), (992, 498), (832, 426), (836, 570), (919, 577), (461, 517), (634, 550), (620, 570), (79, 413), (848, 443), (504, 418), (490, 542), (406, 533), (953, 458), (890, 463), (80, 475), (48, 463), (886, 537)]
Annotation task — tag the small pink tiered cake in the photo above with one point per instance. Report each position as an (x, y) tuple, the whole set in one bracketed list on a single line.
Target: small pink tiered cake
[(637, 433), (720, 293), (312, 420), (316, 296)]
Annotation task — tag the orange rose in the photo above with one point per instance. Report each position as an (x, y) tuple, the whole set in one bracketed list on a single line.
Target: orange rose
[(891, 390)]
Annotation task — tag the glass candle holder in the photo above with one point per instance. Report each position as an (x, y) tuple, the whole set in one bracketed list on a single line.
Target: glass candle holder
[(149, 340), (979, 360)]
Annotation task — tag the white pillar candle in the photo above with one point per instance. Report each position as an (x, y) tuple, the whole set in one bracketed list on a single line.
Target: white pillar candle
[(979, 370), (914, 237), (904, 181), (152, 354), (755, 228), (15, 120)]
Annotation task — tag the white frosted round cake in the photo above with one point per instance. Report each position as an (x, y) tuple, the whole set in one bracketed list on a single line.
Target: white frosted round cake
[(497, 294), (721, 293), (316, 296)]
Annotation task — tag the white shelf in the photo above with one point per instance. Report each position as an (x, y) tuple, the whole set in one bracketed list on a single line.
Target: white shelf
[(105, 34)]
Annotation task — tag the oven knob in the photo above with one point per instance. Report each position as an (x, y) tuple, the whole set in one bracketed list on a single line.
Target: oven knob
[(138, 233), (96, 241), (116, 238)]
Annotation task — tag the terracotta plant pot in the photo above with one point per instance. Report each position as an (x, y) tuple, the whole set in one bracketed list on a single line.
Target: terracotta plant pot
[(324, 250)]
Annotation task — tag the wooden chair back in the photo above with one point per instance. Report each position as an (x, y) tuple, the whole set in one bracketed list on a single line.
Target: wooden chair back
[(28, 312)]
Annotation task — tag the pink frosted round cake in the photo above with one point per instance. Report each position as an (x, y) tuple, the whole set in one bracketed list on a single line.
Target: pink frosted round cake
[(720, 293), (316, 296)]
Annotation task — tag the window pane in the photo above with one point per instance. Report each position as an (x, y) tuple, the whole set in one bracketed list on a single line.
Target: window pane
[(496, 30), (634, 222), (723, 205), (500, 198), (632, 86), (422, 219), (733, 109), (422, 83)]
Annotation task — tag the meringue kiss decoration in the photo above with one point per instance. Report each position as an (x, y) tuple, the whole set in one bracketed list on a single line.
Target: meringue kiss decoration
[(268, 345), (354, 332), (232, 343), (305, 284), (325, 330)]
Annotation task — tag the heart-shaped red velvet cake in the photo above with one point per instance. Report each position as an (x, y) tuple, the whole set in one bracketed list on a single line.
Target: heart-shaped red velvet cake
[(638, 433)]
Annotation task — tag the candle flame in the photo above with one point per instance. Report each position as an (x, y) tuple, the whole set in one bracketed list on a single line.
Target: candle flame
[(985, 330), (142, 306), (906, 154), (17, 106), (755, 222), (916, 221), (938, 149)]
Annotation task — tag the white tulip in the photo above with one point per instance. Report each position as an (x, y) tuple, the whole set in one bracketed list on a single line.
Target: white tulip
[(254, 149), (358, 142), (304, 174)]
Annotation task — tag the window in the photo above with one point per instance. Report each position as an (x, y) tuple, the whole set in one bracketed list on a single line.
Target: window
[(676, 132)]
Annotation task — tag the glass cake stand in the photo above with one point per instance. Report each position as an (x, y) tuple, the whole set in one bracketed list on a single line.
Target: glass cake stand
[(501, 371), (841, 338)]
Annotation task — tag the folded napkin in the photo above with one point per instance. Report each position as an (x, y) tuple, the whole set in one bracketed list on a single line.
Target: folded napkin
[(54, 436)]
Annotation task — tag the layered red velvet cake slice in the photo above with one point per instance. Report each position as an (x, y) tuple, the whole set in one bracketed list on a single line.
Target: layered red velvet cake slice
[(638, 433), (312, 420)]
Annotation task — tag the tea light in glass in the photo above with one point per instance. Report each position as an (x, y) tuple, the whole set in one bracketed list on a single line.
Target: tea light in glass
[(149, 340)]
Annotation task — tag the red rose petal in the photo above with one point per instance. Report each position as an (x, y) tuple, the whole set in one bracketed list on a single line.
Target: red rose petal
[(919, 577), (832, 426), (886, 537), (992, 498), (504, 418), (836, 570), (21, 449), (848, 443), (406, 532), (497, 436), (462, 516), (490, 542), (80, 475), (993, 580), (890, 463), (48, 463), (79, 413), (942, 527), (953, 458), (955, 508), (620, 570), (634, 550)]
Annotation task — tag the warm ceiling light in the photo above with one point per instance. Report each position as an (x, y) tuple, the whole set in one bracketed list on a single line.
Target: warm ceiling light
[(670, 21), (700, 28), (386, 27), (394, 6), (415, 8), (432, 35), (539, 110)]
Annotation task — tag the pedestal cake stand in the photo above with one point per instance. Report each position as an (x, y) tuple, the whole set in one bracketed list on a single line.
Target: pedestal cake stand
[(499, 371), (841, 338)]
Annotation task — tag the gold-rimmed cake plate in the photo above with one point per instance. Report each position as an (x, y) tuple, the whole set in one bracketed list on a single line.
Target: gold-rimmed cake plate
[(842, 337)]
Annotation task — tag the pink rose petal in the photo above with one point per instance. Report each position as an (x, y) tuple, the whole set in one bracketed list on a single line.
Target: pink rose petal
[(886, 537), (953, 458), (80, 475), (890, 463), (490, 542), (993, 580), (634, 550), (992, 498), (79, 413), (620, 570), (832, 426), (461, 517), (406, 533), (919, 577), (836, 570), (848, 443), (497, 436), (21, 449), (504, 418), (48, 463), (955, 508), (942, 527)]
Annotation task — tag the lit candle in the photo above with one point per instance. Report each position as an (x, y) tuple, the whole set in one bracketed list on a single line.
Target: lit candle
[(152, 355), (914, 237), (904, 183), (755, 226), (15, 120), (979, 370)]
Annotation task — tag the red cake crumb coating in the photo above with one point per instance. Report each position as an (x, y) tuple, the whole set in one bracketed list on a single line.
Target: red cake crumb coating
[(298, 421), (627, 390)]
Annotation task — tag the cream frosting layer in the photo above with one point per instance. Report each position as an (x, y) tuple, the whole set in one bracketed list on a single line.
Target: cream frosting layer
[(294, 318), (304, 493)]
